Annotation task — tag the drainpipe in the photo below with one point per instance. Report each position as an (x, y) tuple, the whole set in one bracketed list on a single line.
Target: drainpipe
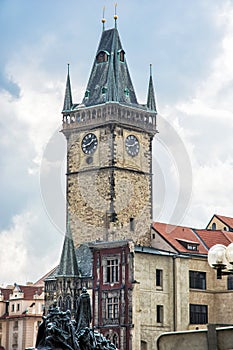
[(174, 292)]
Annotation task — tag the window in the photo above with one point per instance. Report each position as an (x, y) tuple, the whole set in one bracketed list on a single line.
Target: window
[(13, 307), (15, 340), (87, 93), (213, 226), (159, 278), (230, 282), (197, 280), (112, 271), (102, 57), (68, 303), (104, 90), (159, 313), (131, 224), (198, 314), (18, 307), (126, 91), (122, 56), (112, 308), (15, 327), (0, 326)]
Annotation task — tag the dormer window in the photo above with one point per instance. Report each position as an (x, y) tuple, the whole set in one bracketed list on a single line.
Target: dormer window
[(104, 90), (189, 245), (102, 57), (126, 91), (87, 93), (121, 55)]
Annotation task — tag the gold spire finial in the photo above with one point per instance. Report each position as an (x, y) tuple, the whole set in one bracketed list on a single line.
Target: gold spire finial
[(115, 15), (103, 19)]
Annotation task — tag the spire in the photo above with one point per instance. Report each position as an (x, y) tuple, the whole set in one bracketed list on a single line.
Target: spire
[(110, 79), (68, 266), (68, 95), (151, 95), (115, 16), (103, 19)]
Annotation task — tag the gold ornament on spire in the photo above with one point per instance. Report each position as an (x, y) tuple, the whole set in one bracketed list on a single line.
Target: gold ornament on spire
[(103, 19), (115, 15)]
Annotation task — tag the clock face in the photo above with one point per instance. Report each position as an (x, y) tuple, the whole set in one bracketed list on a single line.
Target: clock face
[(132, 145), (89, 143)]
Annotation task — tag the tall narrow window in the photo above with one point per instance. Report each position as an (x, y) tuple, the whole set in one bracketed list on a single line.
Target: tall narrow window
[(197, 280), (213, 226), (159, 278), (68, 303), (112, 308), (159, 313), (230, 282), (198, 314), (132, 224), (112, 271)]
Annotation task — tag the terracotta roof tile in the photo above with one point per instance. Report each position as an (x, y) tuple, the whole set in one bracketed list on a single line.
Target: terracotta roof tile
[(215, 237), (175, 234), (226, 220), (6, 292)]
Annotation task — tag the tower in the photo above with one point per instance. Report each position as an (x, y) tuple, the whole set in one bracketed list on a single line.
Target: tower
[(109, 151)]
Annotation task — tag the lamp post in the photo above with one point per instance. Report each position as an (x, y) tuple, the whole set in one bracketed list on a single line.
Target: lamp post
[(220, 258)]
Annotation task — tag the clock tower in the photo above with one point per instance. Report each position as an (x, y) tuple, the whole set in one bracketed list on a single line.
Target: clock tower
[(109, 151)]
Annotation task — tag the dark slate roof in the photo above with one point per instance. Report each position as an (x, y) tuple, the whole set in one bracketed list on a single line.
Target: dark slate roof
[(68, 95), (85, 260), (151, 104), (68, 266), (113, 75)]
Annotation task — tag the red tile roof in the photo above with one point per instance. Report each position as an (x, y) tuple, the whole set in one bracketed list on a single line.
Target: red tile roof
[(29, 292), (212, 237), (226, 220), (204, 239), (6, 292), (175, 234)]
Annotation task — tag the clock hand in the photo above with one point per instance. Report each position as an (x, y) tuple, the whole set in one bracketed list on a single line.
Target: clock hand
[(89, 143)]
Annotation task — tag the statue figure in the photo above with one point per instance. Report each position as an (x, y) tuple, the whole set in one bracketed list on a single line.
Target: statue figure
[(83, 314), (59, 332)]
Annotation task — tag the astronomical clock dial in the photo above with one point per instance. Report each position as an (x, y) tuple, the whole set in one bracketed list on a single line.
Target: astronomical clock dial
[(132, 145), (89, 143)]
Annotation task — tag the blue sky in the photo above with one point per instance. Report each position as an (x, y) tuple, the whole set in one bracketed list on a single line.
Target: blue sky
[(190, 45)]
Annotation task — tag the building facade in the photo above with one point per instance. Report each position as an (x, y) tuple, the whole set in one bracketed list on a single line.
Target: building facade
[(144, 278), (21, 309)]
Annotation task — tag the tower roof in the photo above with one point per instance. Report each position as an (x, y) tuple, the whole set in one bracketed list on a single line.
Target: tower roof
[(110, 79), (68, 94), (151, 104), (68, 266)]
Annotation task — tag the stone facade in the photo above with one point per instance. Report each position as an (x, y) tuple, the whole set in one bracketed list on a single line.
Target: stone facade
[(109, 192)]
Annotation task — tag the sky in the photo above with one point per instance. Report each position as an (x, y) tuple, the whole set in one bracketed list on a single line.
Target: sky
[(190, 46)]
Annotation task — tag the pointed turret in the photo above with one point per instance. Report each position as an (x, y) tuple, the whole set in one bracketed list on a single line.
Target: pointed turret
[(151, 104), (68, 95), (110, 79), (68, 266)]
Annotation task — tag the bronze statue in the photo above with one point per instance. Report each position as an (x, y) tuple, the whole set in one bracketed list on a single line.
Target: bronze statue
[(59, 332)]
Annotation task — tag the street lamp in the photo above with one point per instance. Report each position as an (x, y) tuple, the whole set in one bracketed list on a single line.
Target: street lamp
[(220, 258)]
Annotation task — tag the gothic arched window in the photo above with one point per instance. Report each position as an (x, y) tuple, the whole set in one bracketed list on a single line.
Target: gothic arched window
[(68, 303), (59, 302)]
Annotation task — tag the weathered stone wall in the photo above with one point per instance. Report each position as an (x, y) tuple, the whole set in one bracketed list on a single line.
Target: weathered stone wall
[(109, 181)]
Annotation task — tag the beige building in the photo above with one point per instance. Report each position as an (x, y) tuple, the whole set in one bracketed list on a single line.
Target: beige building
[(21, 309)]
